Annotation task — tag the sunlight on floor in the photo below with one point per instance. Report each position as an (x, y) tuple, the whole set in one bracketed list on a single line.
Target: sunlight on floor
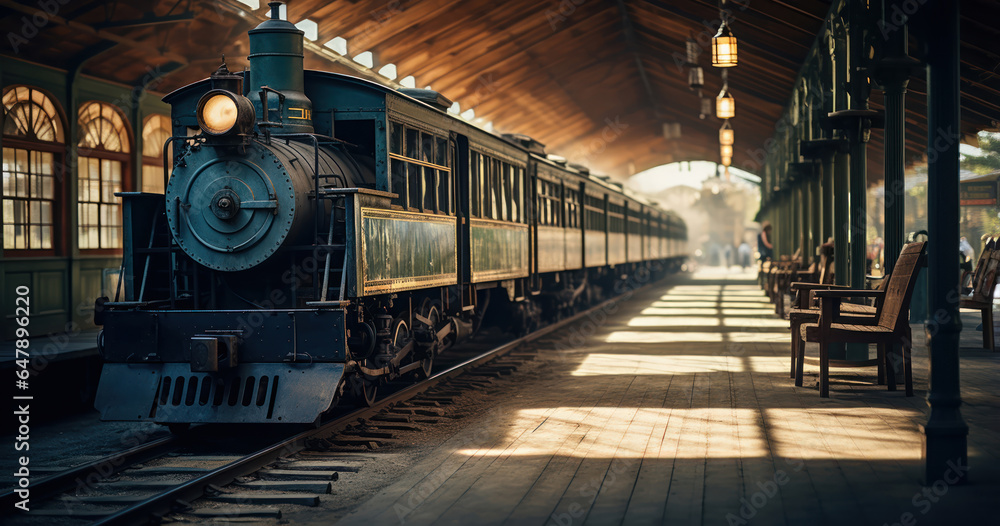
[(662, 337), (708, 432), (756, 322), (876, 433), (668, 321), (672, 311), (673, 321), (759, 336), (731, 433), (686, 300), (601, 364)]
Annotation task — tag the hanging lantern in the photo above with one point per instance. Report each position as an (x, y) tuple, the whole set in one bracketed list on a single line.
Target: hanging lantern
[(726, 150), (692, 51), (671, 130), (706, 107), (726, 135), (724, 47), (696, 78), (725, 105), (727, 161)]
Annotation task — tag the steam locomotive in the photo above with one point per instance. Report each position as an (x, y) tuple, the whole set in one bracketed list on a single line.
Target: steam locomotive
[(321, 234)]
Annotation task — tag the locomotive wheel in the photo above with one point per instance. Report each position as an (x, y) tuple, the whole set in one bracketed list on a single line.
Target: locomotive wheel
[(368, 392), (432, 313), (399, 333), (363, 391)]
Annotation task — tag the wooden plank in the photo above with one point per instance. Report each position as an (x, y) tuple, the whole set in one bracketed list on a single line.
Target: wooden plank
[(295, 474), (267, 498), (288, 485), (641, 438), (230, 511), (687, 482)]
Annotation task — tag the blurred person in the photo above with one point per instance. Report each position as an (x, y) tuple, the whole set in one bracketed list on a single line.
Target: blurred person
[(966, 248), (744, 252), (764, 245)]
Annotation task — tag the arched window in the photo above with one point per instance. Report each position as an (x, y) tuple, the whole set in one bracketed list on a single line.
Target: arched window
[(155, 131), (102, 168), (32, 161)]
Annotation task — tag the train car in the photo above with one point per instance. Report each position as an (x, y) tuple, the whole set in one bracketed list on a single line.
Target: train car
[(321, 234)]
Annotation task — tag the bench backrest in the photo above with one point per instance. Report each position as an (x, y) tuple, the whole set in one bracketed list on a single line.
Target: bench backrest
[(984, 280), (899, 289), (826, 264)]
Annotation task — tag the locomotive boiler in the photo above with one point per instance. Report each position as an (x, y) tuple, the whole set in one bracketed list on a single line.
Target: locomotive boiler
[(320, 234)]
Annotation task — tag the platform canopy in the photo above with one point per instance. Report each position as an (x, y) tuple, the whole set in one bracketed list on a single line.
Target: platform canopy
[(594, 80)]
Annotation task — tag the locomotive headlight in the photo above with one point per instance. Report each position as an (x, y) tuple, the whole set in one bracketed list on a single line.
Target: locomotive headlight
[(222, 112)]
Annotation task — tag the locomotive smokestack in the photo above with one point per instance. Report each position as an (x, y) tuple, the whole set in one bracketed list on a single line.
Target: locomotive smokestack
[(276, 62)]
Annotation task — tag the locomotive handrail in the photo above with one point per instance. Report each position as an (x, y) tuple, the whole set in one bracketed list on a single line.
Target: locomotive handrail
[(266, 118)]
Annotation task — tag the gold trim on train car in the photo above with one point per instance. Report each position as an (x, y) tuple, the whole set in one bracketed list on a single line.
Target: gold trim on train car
[(378, 286), (506, 273)]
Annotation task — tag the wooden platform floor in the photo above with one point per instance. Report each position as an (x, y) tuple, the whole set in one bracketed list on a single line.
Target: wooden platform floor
[(677, 408)]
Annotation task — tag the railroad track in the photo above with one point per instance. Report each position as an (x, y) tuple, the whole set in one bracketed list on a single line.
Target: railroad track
[(184, 475)]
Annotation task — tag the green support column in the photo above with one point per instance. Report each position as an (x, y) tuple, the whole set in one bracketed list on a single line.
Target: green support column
[(828, 193), (841, 221), (802, 242), (893, 74), (857, 136), (816, 204), (945, 433), (796, 208), (857, 122)]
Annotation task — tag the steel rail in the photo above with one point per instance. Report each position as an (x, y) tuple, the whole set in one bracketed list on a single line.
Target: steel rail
[(57, 483), (155, 507)]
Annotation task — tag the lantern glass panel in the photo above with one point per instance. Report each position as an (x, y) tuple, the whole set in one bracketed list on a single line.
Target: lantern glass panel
[(725, 106), (726, 150), (727, 161), (724, 53), (696, 77), (692, 52), (726, 136)]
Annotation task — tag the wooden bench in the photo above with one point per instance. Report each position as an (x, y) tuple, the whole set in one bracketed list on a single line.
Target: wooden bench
[(806, 309), (887, 326), (984, 283), (779, 277)]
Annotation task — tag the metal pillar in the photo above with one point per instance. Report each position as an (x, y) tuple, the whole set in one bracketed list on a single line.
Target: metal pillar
[(841, 221), (841, 218), (893, 74), (856, 134), (828, 176), (815, 200), (945, 449), (797, 209)]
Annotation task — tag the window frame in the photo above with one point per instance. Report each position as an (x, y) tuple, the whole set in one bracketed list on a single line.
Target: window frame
[(499, 187), (124, 158), (428, 173), (155, 162), (55, 147)]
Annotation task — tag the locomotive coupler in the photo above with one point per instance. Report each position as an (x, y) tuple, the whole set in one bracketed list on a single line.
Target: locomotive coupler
[(213, 352)]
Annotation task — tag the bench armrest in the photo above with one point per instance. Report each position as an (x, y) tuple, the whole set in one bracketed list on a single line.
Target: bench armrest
[(802, 285), (848, 293)]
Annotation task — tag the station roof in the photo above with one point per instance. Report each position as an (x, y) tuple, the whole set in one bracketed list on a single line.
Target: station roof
[(593, 80)]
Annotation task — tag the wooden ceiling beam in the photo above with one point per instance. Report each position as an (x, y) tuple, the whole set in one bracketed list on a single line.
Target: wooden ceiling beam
[(628, 33), (89, 30)]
